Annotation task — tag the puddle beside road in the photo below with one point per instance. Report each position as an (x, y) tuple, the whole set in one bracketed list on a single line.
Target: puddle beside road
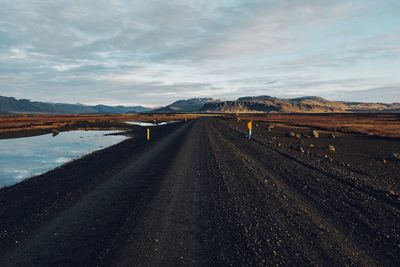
[(21, 158), (149, 124)]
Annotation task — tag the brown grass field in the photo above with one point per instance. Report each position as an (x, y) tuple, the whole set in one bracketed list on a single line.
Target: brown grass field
[(29, 125), (376, 124)]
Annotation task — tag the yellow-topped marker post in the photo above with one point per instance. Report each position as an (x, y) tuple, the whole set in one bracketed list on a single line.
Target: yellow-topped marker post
[(148, 134), (249, 127)]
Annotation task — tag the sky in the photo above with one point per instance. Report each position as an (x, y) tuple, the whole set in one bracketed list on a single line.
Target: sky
[(154, 52)]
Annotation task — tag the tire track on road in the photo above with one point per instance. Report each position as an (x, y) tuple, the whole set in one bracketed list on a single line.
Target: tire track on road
[(281, 214), (83, 232)]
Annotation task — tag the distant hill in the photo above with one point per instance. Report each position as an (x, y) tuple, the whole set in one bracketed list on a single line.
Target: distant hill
[(13, 105), (262, 104), (3, 112), (189, 105), (120, 109)]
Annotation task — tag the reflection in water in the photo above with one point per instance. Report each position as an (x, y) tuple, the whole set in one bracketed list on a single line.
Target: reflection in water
[(21, 158), (149, 124)]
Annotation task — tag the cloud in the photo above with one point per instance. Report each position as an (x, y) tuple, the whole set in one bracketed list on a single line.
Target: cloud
[(388, 94), (131, 51)]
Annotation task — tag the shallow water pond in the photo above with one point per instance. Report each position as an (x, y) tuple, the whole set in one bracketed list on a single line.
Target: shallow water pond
[(149, 124), (21, 158)]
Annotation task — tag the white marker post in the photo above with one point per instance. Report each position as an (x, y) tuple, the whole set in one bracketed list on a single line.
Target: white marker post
[(249, 127)]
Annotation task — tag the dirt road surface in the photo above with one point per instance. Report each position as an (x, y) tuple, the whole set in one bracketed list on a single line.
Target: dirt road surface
[(198, 194)]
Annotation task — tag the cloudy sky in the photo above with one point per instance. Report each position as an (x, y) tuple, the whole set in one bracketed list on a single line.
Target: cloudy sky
[(154, 52)]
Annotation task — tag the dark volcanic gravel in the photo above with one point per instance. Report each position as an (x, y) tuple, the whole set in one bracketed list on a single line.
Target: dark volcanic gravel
[(200, 194)]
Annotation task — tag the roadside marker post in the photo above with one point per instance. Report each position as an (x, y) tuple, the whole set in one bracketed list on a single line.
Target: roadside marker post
[(250, 127), (148, 134)]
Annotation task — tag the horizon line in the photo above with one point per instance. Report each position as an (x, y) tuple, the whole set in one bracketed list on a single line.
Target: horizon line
[(153, 106)]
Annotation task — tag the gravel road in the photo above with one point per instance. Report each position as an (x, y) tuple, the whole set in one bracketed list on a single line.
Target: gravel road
[(198, 194)]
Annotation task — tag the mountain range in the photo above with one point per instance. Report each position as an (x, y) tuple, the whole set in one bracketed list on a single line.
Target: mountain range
[(249, 104), (311, 104), (13, 105), (189, 105)]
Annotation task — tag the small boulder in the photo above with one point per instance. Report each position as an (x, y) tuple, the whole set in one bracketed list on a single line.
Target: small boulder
[(269, 127), (311, 145), (297, 135), (291, 134), (315, 133), (396, 156), (332, 135), (55, 132), (331, 148), (392, 193)]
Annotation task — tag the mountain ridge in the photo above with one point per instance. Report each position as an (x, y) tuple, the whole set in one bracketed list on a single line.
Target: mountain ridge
[(246, 104), (305, 104), (12, 105), (188, 105)]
